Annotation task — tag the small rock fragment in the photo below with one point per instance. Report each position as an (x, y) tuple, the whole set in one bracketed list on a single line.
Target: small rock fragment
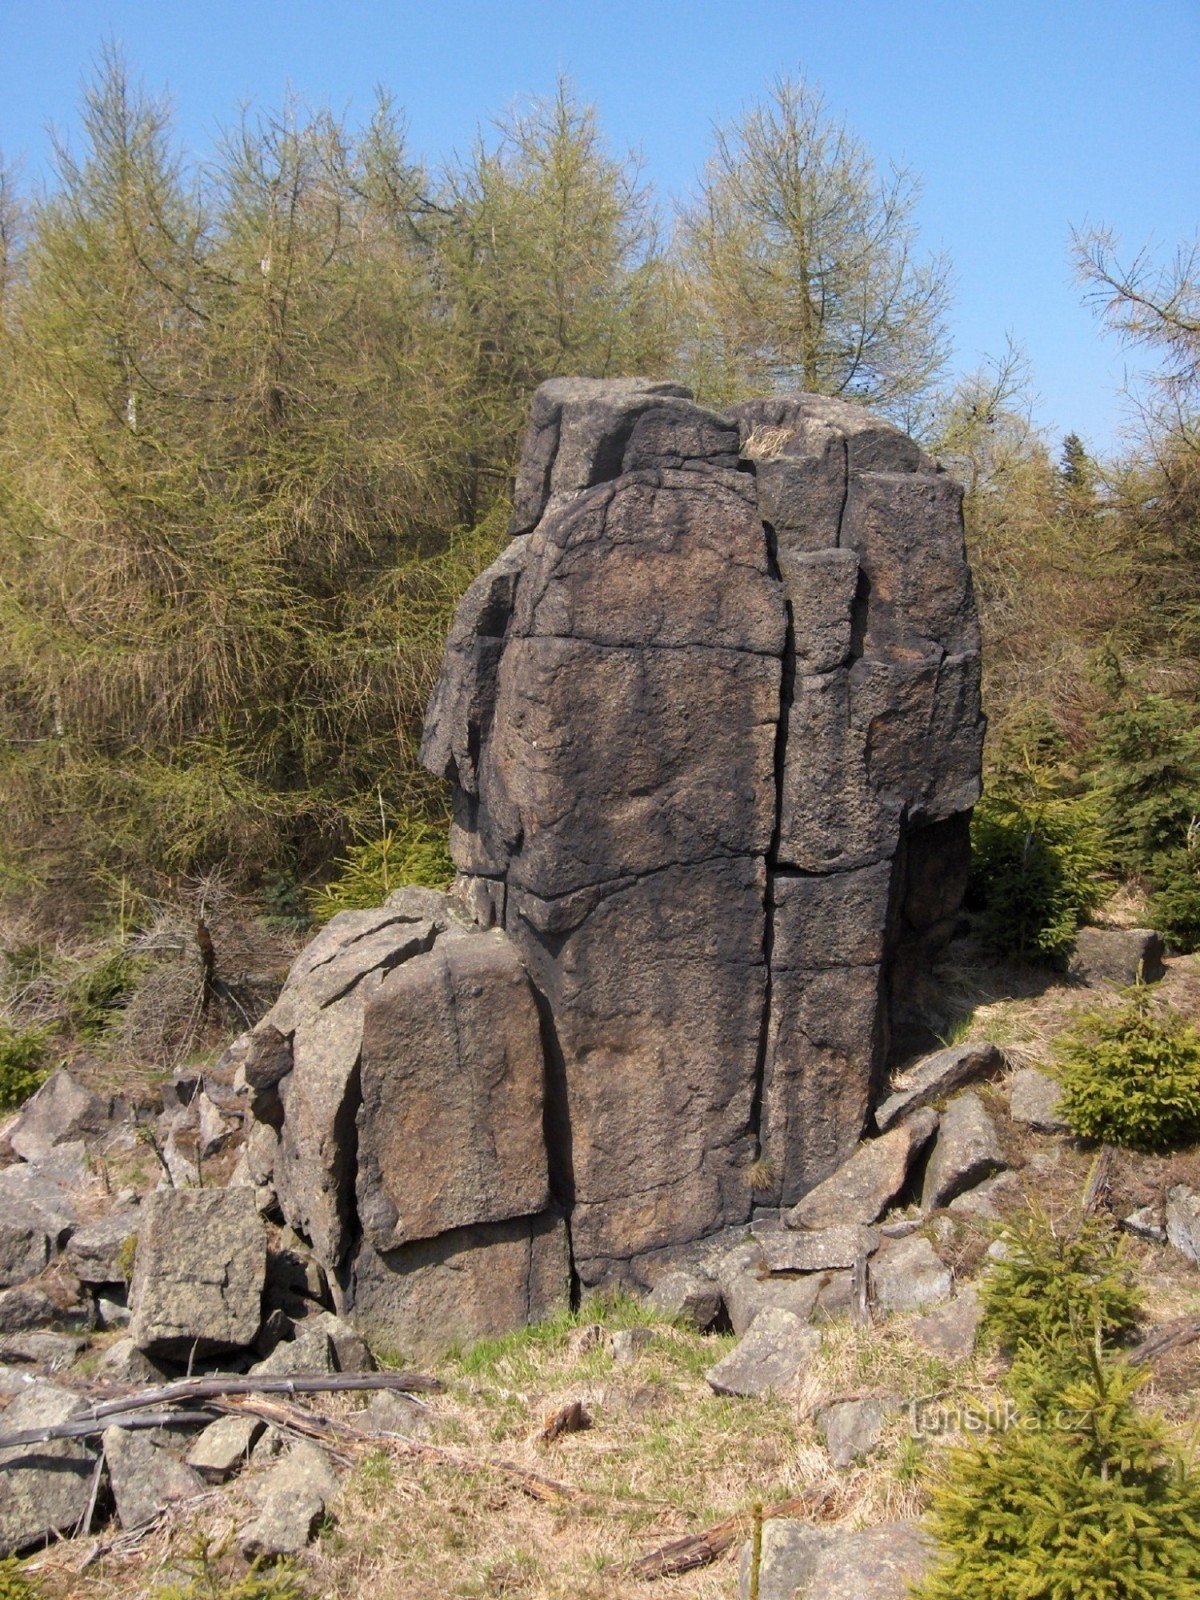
[(863, 1187), (145, 1477), (949, 1330), (1183, 1220), (936, 1076), (224, 1447), (907, 1273), (1033, 1099), (293, 1501), (771, 1356), (1148, 1222), (967, 1151), (853, 1428), (628, 1343)]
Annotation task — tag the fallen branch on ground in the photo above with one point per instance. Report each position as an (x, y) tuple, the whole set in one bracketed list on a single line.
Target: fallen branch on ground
[(1171, 1336), (121, 1412), (700, 1549)]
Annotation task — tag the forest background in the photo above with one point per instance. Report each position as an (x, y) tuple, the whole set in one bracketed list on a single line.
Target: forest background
[(258, 423)]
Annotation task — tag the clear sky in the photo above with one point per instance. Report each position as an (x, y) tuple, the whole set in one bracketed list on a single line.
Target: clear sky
[(1022, 117)]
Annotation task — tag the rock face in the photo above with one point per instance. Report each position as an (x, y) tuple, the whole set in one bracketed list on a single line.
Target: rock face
[(713, 727)]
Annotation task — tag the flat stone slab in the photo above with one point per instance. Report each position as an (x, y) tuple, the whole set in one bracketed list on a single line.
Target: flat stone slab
[(863, 1187), (771, 1356), (936, 1076), (792, 1250), (906, 1274), (224, 1447), (967, 1151), (44, 1488), (801, 1562), (1033, 1101)]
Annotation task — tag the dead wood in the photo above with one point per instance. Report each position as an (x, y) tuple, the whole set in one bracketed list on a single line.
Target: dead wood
[(571, 1419), (700, 1549), (120, 1412), (1171, 1336)]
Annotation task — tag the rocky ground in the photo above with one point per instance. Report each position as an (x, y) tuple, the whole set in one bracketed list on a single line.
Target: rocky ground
[(817, 1361)]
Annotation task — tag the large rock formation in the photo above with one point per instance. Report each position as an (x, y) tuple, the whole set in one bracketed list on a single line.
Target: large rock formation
[(713, 726)]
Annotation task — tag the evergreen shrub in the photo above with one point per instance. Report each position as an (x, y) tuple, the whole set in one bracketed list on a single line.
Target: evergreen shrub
[(22, 1057), (1132, 1076), (1055, 1291)]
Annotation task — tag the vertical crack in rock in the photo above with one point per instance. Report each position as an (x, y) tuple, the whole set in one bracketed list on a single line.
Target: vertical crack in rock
[(713, 730)]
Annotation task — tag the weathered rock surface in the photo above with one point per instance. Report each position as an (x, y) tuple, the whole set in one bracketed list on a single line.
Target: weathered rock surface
[(906, 1274), (293, 1500), (61, 1111), (861, 1190), (472, 1283), (224, 1447), (145, 1477), (1033, 1099), (99, 1252), (747, 1288), (800, 1562), (199, 1273), (450, 1127), (936, 1076), (967, 1150), (44, 1488), (688, 1297), (712, 725), (613, 699), (1183, 1220), (852, 1428), (1117, 956), (770, 1356)]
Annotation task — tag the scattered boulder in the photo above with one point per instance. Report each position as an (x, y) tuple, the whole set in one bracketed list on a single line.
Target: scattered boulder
[(146, 1477), (801, 1562), (45, 1489), (687, 1297), (747, 1288), (988, 1201), (101, 1251), (1183, 1220), (906, 1274), (861, 1190), (1033, 1101), (966, 1152), (852, 1428), (61, 1111), (936, 1076), (1117, 956), (350, 1351), (827, 1249), (224, 1447), (293, 1500), (1147, 1222), (199, 1273), (770, 1356), (949, 1330)]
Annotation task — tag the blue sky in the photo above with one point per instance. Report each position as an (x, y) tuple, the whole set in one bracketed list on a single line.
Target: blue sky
[(1021, 118)]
